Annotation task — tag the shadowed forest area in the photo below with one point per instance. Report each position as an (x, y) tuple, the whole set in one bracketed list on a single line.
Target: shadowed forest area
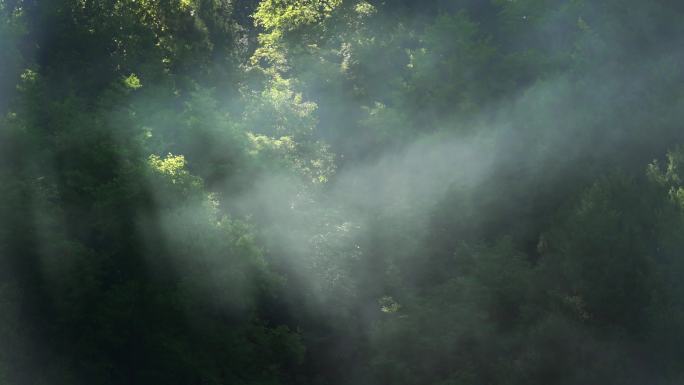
[(342, 192)]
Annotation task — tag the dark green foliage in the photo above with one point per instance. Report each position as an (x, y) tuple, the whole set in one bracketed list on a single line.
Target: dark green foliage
[(341, 192)]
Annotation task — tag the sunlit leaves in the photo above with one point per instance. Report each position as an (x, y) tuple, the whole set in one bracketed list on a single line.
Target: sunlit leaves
[(364, 8), (132, 82), (278, 18), (286, 15), (173, 173)]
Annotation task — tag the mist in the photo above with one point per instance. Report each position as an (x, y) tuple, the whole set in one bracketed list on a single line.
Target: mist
[(265, 192)]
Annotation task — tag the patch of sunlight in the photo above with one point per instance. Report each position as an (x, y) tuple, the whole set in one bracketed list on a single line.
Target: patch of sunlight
[(132, 82)]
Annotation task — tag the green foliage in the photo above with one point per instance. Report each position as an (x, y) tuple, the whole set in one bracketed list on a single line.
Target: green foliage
[(132, 82), (327, 192), (279, 18), (450, 57), (288, 15), (12, 29), (174, 178)]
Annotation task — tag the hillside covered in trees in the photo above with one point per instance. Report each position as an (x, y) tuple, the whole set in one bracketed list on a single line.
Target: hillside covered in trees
[(342, 192)]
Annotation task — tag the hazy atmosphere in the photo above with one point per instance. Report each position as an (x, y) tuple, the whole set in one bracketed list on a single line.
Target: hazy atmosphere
[(342, 192)]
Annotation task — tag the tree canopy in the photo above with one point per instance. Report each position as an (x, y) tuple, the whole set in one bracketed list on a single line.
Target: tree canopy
[(339, 192)]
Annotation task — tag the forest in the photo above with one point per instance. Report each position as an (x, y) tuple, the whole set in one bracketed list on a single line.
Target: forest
[(342, 192)]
